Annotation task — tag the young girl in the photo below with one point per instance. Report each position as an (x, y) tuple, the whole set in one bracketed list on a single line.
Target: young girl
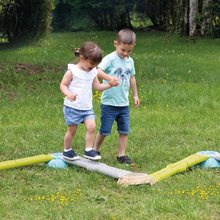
[(77, 85)]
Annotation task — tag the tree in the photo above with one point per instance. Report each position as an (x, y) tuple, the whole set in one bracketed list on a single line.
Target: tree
[(106, 14), (206, 21), (189, 17), (112, 15), (193, 11), (215, 22), (25, 19), (210, 18)]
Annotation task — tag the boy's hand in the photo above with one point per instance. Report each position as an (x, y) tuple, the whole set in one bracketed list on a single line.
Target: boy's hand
[(136, 102), (113, 81), (71, 96)]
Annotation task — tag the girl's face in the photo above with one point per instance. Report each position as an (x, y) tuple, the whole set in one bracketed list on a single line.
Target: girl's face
[(123, 50), (86, 64)]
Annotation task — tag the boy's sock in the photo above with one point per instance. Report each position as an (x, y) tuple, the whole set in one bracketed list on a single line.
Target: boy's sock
[(66, 150), (88, 148)]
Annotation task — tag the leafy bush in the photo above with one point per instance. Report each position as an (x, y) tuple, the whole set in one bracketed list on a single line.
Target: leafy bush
[(25, 19), (68, 18)]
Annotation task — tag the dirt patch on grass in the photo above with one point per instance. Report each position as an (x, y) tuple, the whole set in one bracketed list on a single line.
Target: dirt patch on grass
[(35, 69), (31, 69)]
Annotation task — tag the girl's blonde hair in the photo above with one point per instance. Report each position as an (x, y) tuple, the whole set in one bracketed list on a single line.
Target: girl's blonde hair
[(89, 50)]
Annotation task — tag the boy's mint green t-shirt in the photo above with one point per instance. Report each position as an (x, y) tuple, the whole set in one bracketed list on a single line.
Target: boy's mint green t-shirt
[(113, 65)]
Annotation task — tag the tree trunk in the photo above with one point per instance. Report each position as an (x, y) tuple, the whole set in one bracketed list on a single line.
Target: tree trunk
[(193, 10), (206, 22), (185, 17)]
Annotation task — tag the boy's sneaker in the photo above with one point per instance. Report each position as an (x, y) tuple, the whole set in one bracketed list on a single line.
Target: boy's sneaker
[(70, 155), (125, 160), (92, 155), (98, 152)]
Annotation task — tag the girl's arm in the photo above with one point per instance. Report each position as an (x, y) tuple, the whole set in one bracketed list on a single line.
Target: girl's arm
[(113, 81), (64, 86), (100, 86), (134, 91)]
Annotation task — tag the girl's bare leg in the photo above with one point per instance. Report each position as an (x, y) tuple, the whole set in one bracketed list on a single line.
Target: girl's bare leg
[(90, 132), (69, 136)]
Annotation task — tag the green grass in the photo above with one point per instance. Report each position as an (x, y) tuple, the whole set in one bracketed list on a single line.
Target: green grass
[(178, 81)]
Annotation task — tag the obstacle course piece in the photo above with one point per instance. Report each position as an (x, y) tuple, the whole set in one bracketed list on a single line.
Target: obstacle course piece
[(57, 162), (135, 179), (178, 167), (99, 167), (25, 161), (170, 170), (131, 178), (124, 177), (212, 162), (127, 178)]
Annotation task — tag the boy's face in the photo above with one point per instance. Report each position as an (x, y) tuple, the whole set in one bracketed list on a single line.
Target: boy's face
[(123, 50)]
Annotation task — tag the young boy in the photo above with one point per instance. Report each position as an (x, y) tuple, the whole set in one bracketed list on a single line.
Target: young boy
[(114, 101)]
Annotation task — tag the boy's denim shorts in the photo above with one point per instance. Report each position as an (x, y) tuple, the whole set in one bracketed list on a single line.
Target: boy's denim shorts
[(109, 114), (74, 116)]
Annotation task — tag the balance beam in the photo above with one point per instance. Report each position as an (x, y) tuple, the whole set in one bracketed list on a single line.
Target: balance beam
[(25, 161), (131, 177), (127, 178)]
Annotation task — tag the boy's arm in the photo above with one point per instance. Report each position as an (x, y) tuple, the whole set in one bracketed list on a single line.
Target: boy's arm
[(134, 91), (113, 81), (64, 86)]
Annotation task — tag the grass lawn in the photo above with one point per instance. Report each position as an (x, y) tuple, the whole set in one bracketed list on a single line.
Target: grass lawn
[(179, 88)]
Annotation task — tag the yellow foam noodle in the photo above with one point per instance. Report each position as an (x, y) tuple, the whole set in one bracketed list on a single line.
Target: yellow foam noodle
[(25, 161), (178, 167)]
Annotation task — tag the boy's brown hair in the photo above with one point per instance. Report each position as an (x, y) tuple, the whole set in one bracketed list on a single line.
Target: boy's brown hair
[(126, 36)]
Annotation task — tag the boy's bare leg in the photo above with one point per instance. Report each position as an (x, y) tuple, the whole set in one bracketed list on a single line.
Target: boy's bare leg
[(98, 141), (122, 142)]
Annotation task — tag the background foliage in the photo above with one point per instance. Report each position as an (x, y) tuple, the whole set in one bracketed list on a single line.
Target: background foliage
[(22, 19), (25, 19), (168, 15)]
